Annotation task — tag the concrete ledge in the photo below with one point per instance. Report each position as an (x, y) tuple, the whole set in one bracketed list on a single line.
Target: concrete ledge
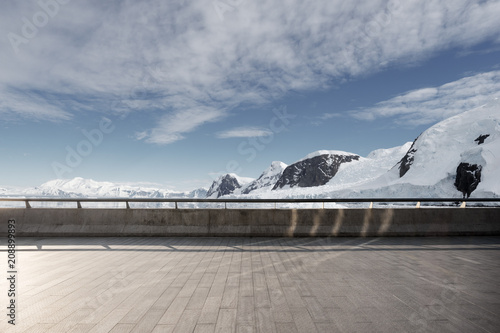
[(45, 222)]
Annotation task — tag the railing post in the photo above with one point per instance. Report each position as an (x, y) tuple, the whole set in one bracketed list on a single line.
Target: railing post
[(126, 203), (176, 205), (27, 203), (225, 205), (418, 205), (463, 204), (371, 205), (78, 204)]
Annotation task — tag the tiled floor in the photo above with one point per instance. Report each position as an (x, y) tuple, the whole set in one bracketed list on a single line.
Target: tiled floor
[(255, 285)]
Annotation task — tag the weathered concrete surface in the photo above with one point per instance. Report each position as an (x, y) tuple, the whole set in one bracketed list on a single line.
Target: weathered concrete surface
[(252, 222), (252, 284)]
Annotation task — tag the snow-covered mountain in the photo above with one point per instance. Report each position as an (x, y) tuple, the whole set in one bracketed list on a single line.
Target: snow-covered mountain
[(267, 179), (458, 156), (350, 174), (308, 176), (315, 169), (227, 184), (80, 187), (377, 163), (468, 143)]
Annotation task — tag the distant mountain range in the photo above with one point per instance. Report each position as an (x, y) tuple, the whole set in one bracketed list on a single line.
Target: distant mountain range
[(80, 187), (459, 156)]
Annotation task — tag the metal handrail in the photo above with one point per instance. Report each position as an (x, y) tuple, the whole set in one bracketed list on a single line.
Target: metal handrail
[(228, 200)]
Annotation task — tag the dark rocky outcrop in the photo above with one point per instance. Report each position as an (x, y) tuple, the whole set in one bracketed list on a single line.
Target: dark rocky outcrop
[(314, 171), (407, 160), (468, 177), (225, 185), (480, 139)]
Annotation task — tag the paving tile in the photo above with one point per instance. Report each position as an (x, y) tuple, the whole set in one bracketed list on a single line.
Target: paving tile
[(293, 297), (303, 320), (327, 328), (245, 313), (163, 329), (38, 328), (198, 298), (245, 329), (80, 328), (122, 328), (187, 321), (286, 328), (265, 322), (174, 312), (226, 320), (315, 309), (108, 322), (230, 297), (148, 321), (210, 310), (246, 287), (204, 328)]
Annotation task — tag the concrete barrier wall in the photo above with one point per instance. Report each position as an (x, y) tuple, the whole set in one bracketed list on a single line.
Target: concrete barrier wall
[(44, 222)]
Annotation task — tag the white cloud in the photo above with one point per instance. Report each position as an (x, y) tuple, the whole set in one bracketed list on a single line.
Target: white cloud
[(320, 120), (180, 56), (173, 126), (31, 106), (427, 105), (244, 132), (326, 116)]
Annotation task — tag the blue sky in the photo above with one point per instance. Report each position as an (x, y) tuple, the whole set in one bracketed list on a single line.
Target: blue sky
[(178, 92)]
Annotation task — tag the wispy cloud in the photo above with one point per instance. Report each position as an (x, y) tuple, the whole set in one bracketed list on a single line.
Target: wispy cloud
[(244, 132), (172, 127), (326, 116), (320, 120), (180, 56), (30, 105), (432, 104)]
